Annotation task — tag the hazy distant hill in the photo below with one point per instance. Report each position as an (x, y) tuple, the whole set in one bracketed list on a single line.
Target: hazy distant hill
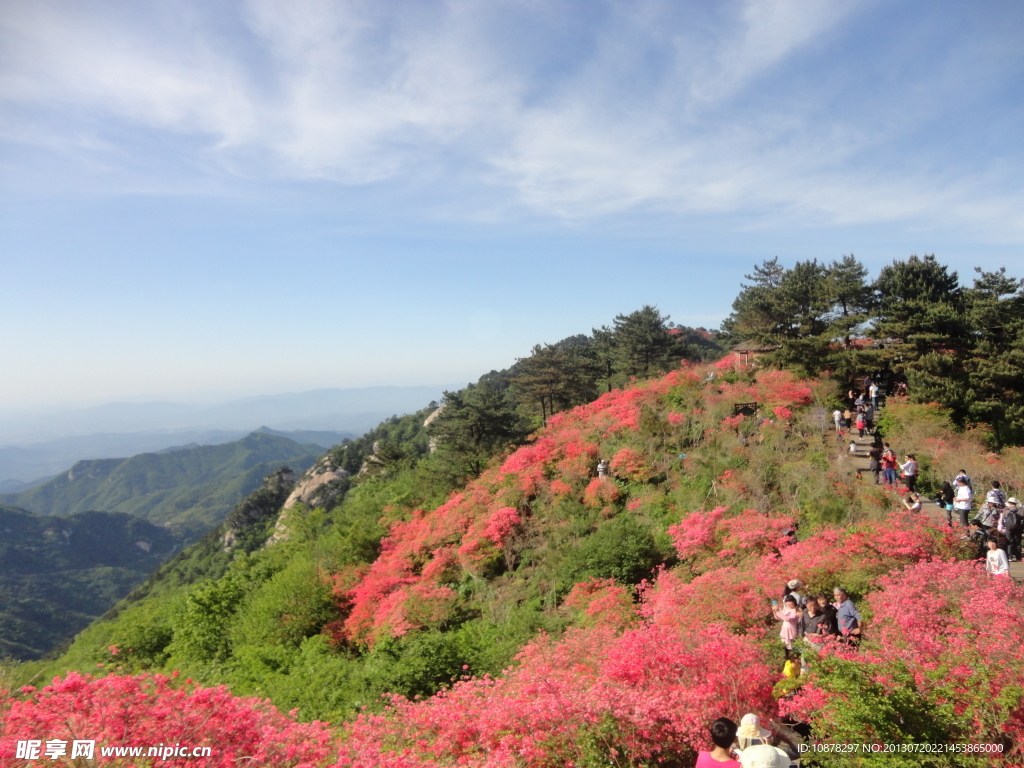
[(191, 489), (22, 466), (343, 410), (57, 574)]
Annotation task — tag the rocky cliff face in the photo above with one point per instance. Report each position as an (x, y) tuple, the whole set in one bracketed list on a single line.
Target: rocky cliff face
[(318, 487), (246, 525)]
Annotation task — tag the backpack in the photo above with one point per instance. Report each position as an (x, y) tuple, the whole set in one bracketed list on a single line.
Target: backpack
[(1011, 520)]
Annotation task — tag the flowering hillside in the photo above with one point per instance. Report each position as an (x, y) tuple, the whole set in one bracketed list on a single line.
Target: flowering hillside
[(576, 619)]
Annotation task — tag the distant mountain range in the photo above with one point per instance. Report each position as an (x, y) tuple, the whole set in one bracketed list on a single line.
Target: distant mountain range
[(345, 410), (36, 446), (58, 574), (22, 468), (190, 489)]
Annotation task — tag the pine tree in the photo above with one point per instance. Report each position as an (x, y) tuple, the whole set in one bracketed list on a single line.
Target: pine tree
[(995, 310), (922, 325), (476, 423), (555, 377), (643, 346)]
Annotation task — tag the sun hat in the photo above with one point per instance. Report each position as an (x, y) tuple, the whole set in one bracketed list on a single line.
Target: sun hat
[(1012, 500), (764, 756), (750, 728), (794, 584)]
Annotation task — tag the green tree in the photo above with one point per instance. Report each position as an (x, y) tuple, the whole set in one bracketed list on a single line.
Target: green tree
[(643, 346), (604, 354), (850, 294), (555, 377), (922, 323), (995, 311), (757, 310), (789, 309), (475, 424)]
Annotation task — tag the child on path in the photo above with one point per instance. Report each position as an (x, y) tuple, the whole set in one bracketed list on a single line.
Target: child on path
[(789, 615), (995, 561)]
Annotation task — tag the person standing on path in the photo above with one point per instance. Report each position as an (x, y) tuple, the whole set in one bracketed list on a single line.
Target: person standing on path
[(996, 497), (889, 465), (1014, 525), (810, 620), (848, 616), (962, 500), (946, 498), (875, 462), (837, 417), (910, 472), (789, 615), (873, 391)]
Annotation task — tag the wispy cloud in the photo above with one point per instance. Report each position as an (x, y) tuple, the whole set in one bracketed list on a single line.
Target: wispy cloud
[(571, 111)]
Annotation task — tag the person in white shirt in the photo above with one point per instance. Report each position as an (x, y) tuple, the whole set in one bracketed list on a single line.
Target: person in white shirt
[(962, 501), (910, 472), (995, 561)]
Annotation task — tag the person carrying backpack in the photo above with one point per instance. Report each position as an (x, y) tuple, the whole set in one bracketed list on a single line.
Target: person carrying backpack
[(1013, 525), (988, 516)]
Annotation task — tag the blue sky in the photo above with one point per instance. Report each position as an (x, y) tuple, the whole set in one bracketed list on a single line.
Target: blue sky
[(209, 199)]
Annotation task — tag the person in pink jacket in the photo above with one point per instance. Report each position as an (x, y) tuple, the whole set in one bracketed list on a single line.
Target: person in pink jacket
[(789, 615)]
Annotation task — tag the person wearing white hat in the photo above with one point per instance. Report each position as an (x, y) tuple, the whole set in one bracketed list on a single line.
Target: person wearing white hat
[(750, 732), (764, 756)]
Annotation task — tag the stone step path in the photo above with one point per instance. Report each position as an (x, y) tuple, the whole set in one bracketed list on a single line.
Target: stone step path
[(859, 462)]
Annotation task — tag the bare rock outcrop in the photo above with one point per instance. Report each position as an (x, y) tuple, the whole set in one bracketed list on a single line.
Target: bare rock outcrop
[(318, 487)]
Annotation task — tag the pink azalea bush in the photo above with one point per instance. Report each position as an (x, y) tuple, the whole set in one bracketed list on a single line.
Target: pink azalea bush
[(647, 693), (149, 710), (641, 671)]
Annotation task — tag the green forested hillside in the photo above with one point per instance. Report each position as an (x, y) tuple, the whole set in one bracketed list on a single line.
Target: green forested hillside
[(190, 489), (273, 607), (400, 587), (57, 574)]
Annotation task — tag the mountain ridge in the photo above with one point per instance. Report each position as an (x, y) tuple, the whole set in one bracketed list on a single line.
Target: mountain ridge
[(190, 489)]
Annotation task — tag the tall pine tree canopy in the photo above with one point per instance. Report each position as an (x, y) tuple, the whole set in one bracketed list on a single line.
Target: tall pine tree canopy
[(962, 347)]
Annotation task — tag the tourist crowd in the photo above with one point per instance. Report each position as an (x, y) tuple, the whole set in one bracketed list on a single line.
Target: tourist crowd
[(996, 527), (749, 745)]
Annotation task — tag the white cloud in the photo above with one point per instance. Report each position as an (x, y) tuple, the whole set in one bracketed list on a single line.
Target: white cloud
[(660, 106)]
